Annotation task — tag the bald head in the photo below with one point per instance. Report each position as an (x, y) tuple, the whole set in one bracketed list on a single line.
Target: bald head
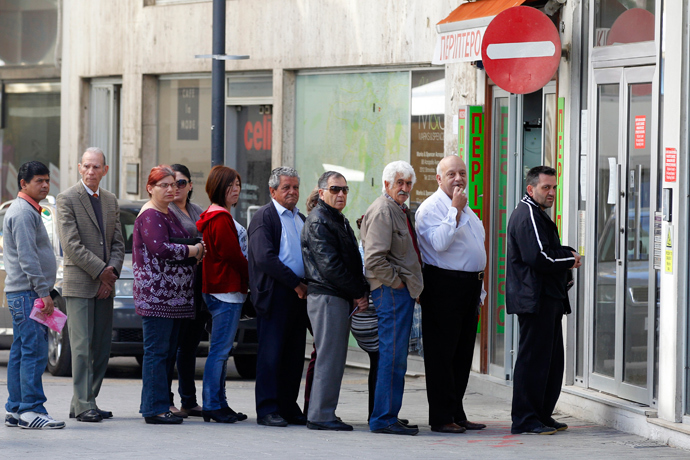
[(451, 172)]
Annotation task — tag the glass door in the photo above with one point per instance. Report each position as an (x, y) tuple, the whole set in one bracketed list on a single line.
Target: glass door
[(504, 139), (625, 196)]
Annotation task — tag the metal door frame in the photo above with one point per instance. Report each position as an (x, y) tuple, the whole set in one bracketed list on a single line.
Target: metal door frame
[(623, 76)]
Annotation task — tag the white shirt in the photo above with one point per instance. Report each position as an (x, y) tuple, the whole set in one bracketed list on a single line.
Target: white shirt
[(91, 192), (445, 244)]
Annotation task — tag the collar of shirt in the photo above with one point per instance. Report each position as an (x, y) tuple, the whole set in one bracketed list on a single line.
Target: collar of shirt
[(31, 201), (89, 191), (281, 209), (403, 206)]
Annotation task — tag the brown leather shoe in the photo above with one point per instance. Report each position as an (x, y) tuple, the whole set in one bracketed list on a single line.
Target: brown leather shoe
[(448, 428), (471, 425)]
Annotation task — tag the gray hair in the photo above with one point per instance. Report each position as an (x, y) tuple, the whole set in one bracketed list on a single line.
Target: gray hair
[(274, 179), (323, 180), (95, 150), (393, 169)]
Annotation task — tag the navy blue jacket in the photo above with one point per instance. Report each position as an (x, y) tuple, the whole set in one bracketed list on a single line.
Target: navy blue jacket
[(534, 253), (270, 280)]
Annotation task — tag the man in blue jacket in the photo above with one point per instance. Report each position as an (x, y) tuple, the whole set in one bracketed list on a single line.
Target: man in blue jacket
[(276, 275), (537, 276)]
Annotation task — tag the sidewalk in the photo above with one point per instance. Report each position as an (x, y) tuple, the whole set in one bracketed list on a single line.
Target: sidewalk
[(126, 436)]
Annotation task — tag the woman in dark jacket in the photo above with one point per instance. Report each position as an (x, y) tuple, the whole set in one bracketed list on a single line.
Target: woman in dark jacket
[(224, 285), (192, 329)]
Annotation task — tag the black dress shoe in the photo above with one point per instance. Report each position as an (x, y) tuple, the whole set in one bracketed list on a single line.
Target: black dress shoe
[(406, 423), (238, 415), (105, 413), (558, 425), (335, 425), (471, 425), (397, 428), (543, 429), (296, 420), (448, 428), (191, 412), (272, 420), (90, 415), (218, 416), (166, 419)]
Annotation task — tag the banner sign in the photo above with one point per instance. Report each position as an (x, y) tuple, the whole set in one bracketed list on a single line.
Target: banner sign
[(459, 46), (559, 164)]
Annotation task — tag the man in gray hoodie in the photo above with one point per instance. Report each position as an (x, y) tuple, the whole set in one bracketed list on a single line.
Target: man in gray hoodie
[(31, 268)]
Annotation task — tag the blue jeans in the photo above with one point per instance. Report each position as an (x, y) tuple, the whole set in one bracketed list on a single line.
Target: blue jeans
[(226, 318), (394, 308), (160, 351), (28, 356)]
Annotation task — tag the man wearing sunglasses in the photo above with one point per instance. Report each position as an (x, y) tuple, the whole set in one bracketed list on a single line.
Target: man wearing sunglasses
[(336, 287)]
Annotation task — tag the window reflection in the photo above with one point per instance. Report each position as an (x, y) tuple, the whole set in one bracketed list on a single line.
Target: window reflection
[(623, 21)]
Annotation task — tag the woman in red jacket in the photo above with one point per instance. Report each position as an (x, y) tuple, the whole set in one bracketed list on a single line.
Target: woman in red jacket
[(224, 285)]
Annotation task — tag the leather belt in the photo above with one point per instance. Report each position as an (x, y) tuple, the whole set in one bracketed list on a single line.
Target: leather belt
[(456, 273)]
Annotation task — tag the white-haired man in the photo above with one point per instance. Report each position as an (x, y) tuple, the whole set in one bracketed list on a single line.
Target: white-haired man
[(394, 271)]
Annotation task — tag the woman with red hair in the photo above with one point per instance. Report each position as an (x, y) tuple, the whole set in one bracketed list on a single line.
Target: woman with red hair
[(163, 263)]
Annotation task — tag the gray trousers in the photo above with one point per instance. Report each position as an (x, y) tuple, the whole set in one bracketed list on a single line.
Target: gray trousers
[(90, 326), (330, 321)]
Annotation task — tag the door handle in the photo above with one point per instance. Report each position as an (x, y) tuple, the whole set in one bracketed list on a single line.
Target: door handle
[(619, 200)]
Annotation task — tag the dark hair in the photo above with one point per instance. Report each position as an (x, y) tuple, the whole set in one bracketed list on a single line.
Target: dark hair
[(312, 199), (157, 173), (533, 174), (28, 170), (182, 169), (219, 179), (323, 180)]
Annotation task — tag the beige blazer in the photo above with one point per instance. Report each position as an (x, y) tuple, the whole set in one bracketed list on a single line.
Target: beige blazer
[(389, 255), (82, 243)]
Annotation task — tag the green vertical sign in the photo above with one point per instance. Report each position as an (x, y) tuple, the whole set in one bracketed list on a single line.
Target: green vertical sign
[(560, 122), (471, 150)]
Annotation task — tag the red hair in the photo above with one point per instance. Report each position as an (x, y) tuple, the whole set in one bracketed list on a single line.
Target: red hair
[(157, 173)]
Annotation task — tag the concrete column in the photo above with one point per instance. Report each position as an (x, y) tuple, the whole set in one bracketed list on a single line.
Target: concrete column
[(283, 148)]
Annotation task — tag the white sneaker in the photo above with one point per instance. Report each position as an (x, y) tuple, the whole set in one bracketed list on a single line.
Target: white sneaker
[(11, 419), (36, 421)]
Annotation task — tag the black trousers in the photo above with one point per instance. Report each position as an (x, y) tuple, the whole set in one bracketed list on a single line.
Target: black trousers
[(280, 356), (191, 331), (450, 311), (539, 367)]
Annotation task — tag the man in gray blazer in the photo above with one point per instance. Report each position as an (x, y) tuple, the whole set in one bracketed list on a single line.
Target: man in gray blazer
[(91, 239)]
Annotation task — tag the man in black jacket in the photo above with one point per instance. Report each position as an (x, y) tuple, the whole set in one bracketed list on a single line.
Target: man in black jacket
[(336, 288), (536, 290), (276, 273)]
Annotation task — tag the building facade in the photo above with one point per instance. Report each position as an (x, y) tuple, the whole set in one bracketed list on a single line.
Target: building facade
[(354, 85)]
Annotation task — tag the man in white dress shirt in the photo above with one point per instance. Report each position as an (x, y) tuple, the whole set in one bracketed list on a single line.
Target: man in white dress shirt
[(451, 242)]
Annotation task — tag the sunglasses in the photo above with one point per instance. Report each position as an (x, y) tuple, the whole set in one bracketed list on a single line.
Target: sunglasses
[(182, 183), (335, 189)]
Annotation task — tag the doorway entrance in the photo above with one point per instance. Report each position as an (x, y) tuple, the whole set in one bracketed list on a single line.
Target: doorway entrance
[(625, 196)]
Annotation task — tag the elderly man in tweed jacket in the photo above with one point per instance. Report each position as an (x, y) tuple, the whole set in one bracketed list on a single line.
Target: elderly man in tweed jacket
[(91, 238)]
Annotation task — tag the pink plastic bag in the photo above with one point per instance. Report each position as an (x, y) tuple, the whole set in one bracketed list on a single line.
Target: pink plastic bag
[(56, 321)]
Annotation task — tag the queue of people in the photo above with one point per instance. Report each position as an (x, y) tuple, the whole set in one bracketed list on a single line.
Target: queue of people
[(194, 269)]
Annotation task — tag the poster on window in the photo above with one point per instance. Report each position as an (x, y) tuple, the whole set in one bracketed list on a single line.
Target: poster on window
[(187, 114), (426, 129)]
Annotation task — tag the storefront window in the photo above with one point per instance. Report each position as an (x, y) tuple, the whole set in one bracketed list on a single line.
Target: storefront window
[(352, 123), (28, 32), (31, 132), (184, 129), (623, 21)]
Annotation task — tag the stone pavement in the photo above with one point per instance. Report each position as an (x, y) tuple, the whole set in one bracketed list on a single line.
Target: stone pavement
[(127, 436)]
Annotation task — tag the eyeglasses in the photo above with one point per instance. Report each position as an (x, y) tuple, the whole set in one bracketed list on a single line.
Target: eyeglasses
[(182, 183), (167, 186), (335, 189)]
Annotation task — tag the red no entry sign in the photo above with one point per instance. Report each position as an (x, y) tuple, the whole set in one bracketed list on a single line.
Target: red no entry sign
[(521, 50)]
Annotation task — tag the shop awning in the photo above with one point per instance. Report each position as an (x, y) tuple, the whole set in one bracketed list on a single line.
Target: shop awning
[(461, 32)]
